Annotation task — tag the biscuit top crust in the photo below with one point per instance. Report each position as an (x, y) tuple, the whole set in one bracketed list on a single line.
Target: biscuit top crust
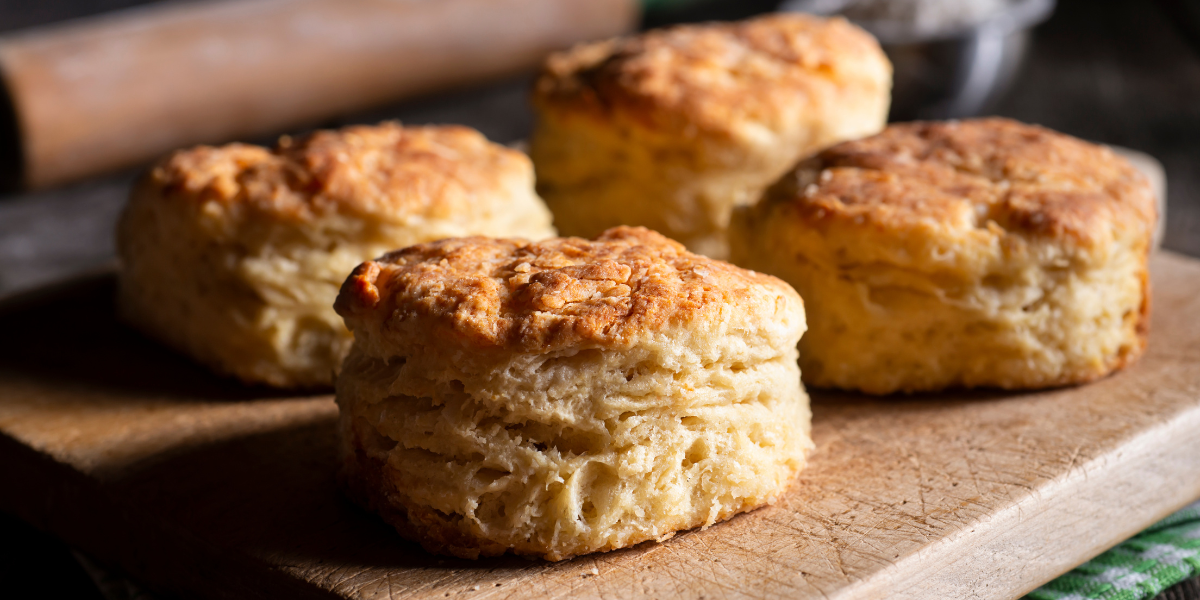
[(716, 76), (973, 175), (559, 293), (387, 171)]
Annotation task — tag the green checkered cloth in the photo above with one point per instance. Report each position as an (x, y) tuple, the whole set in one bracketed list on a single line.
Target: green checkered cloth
[(1140, 568)]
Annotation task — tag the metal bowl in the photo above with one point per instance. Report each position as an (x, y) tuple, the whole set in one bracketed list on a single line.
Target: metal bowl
[(949, 73)]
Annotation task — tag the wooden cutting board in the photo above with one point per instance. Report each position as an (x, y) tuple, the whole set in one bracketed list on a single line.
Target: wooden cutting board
[(204, 488)]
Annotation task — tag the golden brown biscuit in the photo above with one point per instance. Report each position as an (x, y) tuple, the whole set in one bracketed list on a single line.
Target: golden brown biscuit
[(959, 254), (235, 254), (567, 396), (672, 128)]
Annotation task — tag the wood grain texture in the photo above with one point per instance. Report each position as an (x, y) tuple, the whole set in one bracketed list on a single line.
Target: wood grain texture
[(207, 489), (118, 89)]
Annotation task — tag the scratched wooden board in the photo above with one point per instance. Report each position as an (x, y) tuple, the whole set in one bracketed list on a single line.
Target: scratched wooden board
[(203, 488)]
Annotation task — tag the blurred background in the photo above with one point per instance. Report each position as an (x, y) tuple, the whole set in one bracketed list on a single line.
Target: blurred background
[(169, 74), (96, 89)]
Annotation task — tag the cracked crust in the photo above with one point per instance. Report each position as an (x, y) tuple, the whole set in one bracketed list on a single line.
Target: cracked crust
[(978, 174), (570, 396), (387, 171), (982, 253), (235, 254), (510, 293), (716, 77), (697, 119)]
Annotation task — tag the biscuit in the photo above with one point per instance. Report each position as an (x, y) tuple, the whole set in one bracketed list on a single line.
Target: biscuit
[(566, 396), (672, 128), (234, 255), (983, 253)]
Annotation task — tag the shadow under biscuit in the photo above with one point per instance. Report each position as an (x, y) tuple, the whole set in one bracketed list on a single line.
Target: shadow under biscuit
[(69, 335)]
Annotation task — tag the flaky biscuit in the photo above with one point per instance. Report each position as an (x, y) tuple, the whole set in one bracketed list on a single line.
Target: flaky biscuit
[(235, 254), (672, 128), (567, 396), (960, 254)]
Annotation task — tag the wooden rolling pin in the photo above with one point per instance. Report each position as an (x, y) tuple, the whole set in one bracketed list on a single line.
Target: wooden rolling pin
[(117, 90)]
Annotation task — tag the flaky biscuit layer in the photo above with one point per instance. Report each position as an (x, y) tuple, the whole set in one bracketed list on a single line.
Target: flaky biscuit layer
[(974, 253), (567, 396), (672, 128), (235, 254)]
